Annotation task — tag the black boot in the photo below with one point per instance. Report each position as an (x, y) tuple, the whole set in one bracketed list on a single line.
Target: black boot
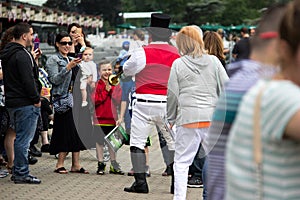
[(173, 179), (138, 160), (140, 185), (171, 154)]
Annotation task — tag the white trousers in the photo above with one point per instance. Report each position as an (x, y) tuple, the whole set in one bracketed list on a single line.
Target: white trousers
[(145, 117), (187, 141)]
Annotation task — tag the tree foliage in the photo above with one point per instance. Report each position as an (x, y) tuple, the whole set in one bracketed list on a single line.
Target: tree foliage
[(225, 12)]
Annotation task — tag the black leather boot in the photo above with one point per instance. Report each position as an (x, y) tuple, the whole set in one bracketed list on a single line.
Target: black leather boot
[(171, 158), (138, 160), (173, 179)]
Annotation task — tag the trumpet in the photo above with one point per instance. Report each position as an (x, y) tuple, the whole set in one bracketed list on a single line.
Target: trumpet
[(114, 79)]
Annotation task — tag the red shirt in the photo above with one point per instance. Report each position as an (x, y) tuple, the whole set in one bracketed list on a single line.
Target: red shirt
[(106, 103)]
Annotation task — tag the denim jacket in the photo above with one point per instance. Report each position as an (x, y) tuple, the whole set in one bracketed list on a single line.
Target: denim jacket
[(58, 74)]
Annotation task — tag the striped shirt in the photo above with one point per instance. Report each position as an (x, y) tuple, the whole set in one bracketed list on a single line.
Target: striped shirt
[(281, 160), (247, 73)]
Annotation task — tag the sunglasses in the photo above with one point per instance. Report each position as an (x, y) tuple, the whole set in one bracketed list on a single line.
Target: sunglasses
[(65, 43)]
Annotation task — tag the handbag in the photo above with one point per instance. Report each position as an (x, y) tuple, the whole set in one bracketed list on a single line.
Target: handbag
[(62, 104)]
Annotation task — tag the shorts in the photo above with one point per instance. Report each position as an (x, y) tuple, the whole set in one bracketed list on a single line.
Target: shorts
[(100, 132)]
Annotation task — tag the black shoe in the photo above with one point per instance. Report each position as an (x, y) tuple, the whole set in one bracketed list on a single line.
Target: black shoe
[(131, 172), (101, 168), (45, 148), (27, 180), (12, 178), (195, 182), (34, 152), (138, 188), (168, 171), (32, 160)]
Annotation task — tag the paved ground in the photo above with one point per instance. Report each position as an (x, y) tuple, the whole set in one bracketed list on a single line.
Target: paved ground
[(92, 186)]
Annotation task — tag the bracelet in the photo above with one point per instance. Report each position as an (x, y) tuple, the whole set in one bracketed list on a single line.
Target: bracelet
[(82, 48)]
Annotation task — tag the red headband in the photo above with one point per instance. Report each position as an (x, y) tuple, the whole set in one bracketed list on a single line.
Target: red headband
[(268, 35)]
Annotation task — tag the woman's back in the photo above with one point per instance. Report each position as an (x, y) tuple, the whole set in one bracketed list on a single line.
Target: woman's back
[(281, 160)]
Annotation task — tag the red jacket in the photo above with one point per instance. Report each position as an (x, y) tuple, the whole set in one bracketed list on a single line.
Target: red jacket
[(106, 103)]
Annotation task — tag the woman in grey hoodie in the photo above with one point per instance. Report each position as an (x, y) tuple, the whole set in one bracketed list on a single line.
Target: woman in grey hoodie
[(192, 94)]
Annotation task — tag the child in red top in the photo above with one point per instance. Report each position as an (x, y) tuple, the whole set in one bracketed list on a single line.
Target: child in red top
[(106, 99)]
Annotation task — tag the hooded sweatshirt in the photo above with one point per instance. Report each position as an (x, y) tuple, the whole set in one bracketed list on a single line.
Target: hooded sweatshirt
[(192, 89), (20, 75)]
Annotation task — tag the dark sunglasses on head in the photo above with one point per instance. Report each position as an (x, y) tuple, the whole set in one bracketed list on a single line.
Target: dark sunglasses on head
[(65, 43)]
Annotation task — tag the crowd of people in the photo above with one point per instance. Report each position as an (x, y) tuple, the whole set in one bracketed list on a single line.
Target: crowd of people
[(229, 128)]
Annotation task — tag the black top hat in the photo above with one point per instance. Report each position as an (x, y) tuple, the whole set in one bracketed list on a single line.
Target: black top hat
[(159, 25)]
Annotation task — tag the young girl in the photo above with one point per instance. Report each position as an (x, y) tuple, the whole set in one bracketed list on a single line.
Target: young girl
[(89, 73), (106, 98)]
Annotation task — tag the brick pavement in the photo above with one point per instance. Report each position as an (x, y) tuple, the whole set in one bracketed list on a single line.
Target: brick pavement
[(91, 186)]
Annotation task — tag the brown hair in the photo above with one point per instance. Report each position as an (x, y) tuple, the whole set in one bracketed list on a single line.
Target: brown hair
[(290, 26), (214, 44), (269, 23), (103, 62), (7, 37), (140, 34), (189, 42)]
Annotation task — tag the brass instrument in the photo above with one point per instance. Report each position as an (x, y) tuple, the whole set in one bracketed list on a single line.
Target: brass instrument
[(114, 79)]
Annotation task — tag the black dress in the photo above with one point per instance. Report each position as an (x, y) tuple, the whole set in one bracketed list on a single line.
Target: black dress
[(64, 136), (67, 127), (83, 115)]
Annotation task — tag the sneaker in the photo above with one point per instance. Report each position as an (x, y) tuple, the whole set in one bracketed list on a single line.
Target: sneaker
[(101, 168), (115, 168), (27, 180), (84, 103), (168, 171), (3, 173), (45, 148), (148, 174), (195, 183), (34, 151)]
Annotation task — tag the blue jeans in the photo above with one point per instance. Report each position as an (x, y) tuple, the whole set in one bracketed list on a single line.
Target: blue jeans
[(195, 168), (24, 121), (204, 179)]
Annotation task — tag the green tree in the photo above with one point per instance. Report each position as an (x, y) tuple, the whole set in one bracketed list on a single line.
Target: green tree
[(224, 12), (69, 5)]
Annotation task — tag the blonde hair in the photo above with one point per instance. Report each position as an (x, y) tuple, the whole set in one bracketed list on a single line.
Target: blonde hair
[(189, 42)]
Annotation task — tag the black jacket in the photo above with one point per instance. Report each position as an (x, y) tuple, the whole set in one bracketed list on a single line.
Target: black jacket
[(20, 75)]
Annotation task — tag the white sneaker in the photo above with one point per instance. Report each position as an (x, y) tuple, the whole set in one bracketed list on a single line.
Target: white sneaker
[(84, 103)]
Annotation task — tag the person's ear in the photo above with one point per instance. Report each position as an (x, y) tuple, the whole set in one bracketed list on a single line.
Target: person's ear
[(24, 36)]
